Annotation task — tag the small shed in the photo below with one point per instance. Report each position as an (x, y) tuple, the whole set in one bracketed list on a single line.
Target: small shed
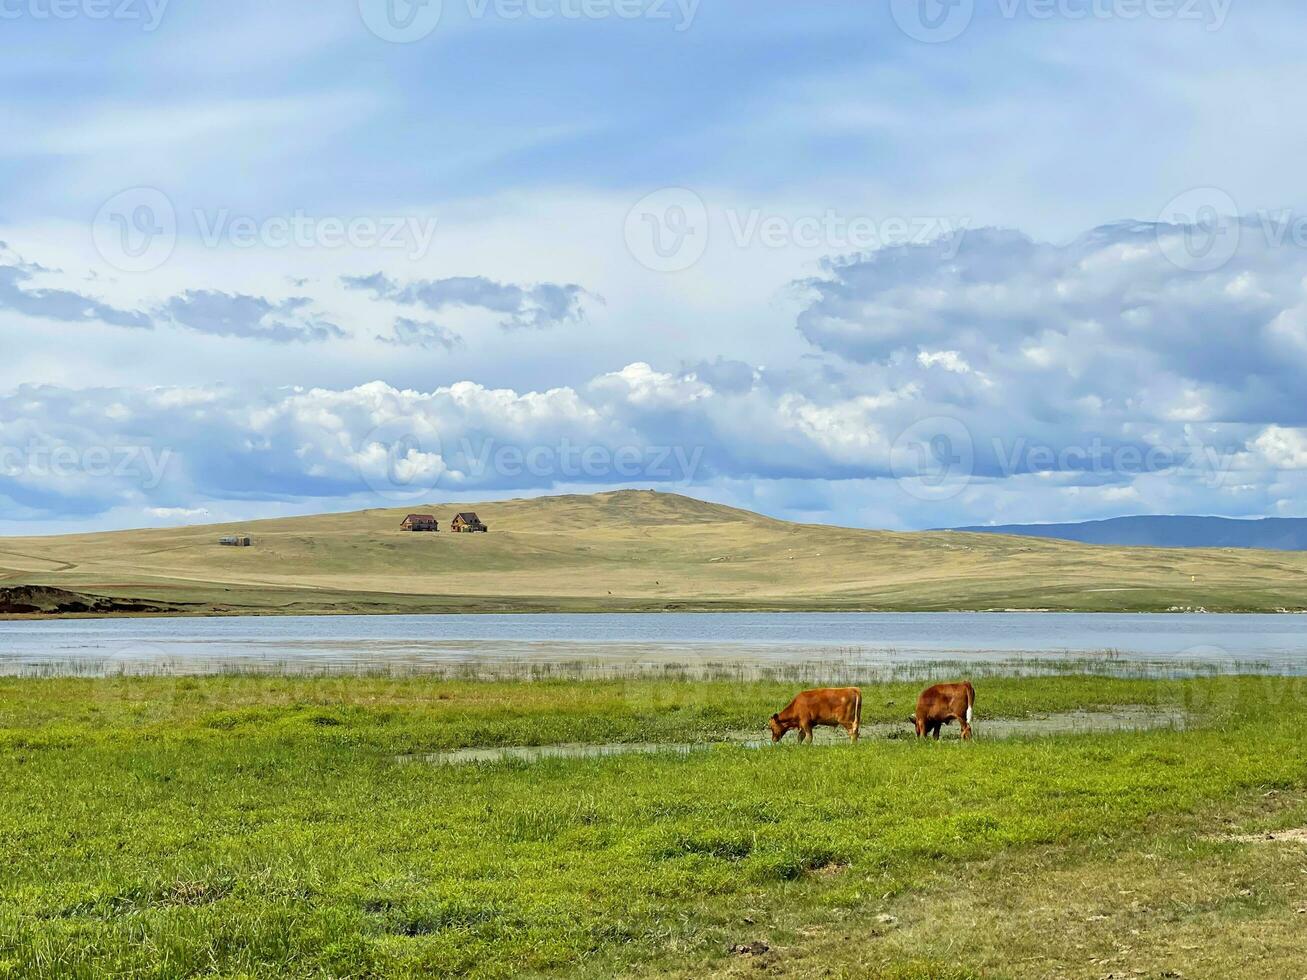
[(467, 521), (420, 522), (236, 541)]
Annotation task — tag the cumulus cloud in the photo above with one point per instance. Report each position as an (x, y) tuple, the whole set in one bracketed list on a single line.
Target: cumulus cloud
[(216, 443), (1065, 360), (17, 293), (174, 450), (1109, 325), (949, 360), (1007, 380), (1283, 448), (239, 315), (537, 306)]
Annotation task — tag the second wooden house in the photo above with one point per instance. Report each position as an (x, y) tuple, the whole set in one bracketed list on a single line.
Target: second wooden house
[(467, 521)]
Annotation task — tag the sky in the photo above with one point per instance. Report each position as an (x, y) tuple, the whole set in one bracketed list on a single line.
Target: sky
[(881, 263)]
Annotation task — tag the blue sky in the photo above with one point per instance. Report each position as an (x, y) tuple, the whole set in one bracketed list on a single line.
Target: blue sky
[(897, 264)]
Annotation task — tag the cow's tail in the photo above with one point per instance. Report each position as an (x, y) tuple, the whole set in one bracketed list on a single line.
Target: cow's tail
[(971, 699), (857, 705)]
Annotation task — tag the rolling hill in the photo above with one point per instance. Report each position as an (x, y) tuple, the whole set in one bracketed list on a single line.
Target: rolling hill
[(626, 550), (1271, 533)]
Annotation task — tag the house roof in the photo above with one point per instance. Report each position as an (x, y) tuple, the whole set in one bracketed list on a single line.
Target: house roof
[(469, 516), (420, 517)]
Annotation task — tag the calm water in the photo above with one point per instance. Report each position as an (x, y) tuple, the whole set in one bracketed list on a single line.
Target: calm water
[(651, 640), (1063, 723)]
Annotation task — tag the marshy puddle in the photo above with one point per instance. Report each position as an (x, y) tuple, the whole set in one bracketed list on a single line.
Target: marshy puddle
[(1062, 723)]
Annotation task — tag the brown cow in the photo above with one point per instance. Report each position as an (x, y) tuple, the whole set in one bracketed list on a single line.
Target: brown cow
[(834, 707), (941, 704)]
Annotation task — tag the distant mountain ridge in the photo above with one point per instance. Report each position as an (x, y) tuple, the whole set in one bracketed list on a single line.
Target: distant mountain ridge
[(1161, 531)]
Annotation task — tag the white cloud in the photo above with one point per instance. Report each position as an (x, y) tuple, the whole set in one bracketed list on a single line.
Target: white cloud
[(1283, 448), (1109, 315), (1094, 372), (178, 513), (949, 360)]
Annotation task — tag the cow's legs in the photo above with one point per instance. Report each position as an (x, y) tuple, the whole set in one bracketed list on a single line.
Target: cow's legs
[(934, 729), (853, 732), (805, 732)]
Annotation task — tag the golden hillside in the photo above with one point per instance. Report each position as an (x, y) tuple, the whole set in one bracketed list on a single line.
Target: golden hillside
[(635, 550)]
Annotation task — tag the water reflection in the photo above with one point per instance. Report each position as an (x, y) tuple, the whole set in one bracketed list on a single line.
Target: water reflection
[(1070, 722), (606, 644)]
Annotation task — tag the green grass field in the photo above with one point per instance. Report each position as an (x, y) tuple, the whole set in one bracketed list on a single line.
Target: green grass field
[(640, 551), (262, 826)]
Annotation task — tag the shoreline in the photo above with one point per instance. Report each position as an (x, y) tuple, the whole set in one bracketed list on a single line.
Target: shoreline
[(703, 609)]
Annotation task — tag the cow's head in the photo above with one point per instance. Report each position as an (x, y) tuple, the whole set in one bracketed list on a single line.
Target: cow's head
[(777, 729)]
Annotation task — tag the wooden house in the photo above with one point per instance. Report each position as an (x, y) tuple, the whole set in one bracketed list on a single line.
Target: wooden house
[(467, 521), (420, 522), (236, 541)]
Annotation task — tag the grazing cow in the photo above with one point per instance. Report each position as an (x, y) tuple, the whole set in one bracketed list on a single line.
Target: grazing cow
[(834, 707), (941, 704)]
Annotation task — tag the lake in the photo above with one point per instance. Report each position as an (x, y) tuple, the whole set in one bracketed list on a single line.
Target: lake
[(644, 641)]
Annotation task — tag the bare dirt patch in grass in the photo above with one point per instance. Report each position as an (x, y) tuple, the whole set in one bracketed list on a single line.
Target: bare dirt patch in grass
[(1297, 835)]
